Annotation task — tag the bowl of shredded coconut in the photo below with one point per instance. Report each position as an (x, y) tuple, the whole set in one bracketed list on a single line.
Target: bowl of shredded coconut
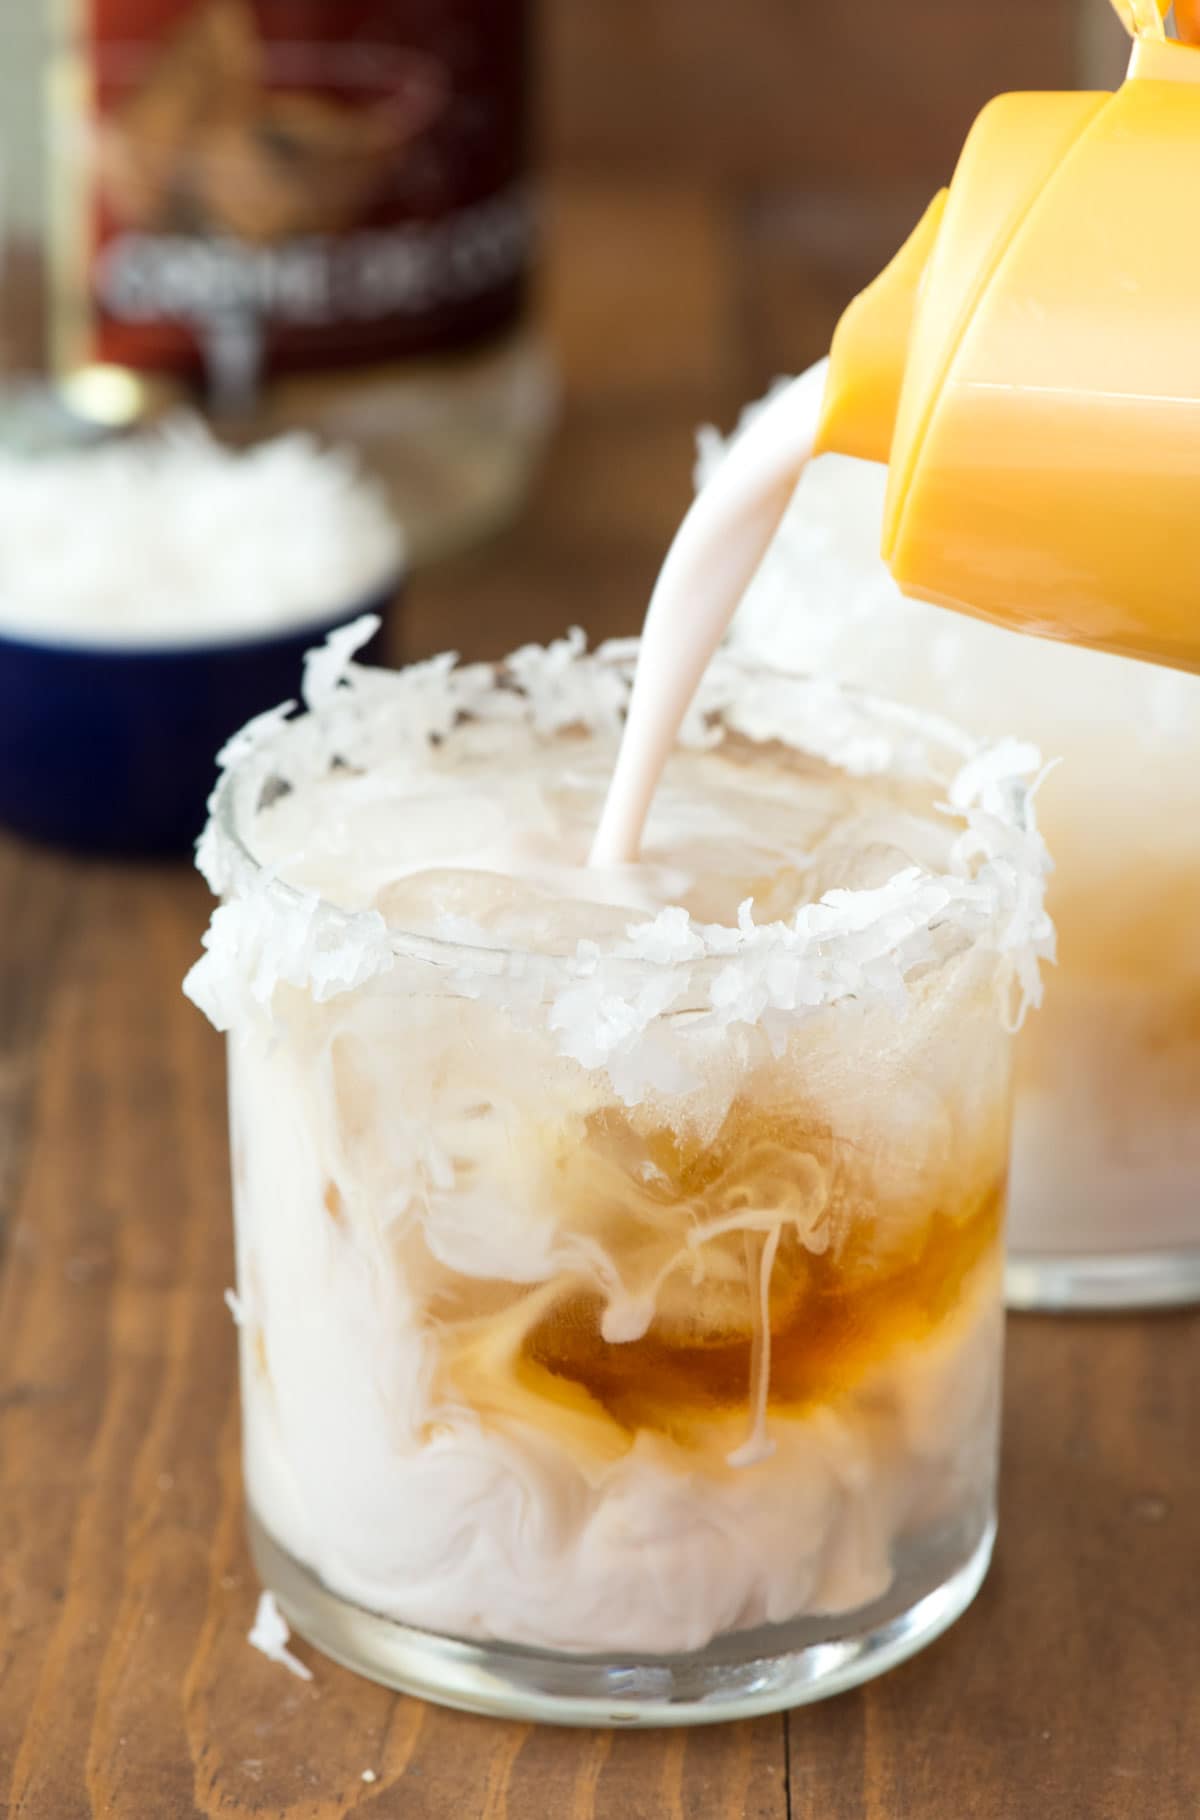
[(154, 594)]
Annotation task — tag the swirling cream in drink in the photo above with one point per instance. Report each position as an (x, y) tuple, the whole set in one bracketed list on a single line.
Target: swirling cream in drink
[(619, 1245)]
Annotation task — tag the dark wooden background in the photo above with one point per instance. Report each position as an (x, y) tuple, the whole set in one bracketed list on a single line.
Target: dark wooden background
[(714, 198)]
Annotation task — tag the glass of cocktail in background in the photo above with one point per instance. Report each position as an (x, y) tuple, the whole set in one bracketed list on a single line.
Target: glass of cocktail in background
[(1105, 1190)]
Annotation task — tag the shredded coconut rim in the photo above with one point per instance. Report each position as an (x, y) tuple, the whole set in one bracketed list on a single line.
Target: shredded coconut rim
[(852, 942)]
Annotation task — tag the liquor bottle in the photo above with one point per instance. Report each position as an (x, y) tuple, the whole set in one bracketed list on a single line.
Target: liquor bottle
[(284, 213)]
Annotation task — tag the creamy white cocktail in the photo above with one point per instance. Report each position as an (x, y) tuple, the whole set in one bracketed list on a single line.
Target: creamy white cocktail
[(619, 1248)]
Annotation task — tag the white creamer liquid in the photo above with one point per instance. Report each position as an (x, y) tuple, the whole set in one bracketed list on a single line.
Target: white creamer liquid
[(716, 551)]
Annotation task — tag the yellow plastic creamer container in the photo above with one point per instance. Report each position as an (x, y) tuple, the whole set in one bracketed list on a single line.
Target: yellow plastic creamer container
[(1029, 367)]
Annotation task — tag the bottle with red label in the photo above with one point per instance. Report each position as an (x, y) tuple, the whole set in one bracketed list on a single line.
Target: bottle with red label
[(289, 213)]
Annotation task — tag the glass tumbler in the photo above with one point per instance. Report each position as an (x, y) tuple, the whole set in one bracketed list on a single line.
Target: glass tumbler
[(621, 1319)]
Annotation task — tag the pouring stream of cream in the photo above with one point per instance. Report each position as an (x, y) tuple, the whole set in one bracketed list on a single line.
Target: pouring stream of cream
[(716, 550)]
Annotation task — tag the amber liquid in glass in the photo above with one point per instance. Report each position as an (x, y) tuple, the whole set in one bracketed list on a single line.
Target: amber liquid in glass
[(864, 1280)]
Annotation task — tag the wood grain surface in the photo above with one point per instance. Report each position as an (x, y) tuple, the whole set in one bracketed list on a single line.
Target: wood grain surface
[(126, 1685), (1070, 1691)]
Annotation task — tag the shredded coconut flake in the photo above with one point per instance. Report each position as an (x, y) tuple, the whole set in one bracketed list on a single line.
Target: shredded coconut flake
[(327, 667), (177, 539), (263, 937), (262, 729), (562, 691), (269, 1635)]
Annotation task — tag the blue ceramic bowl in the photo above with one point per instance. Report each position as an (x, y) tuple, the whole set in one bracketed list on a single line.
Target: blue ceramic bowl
[(110, 749)]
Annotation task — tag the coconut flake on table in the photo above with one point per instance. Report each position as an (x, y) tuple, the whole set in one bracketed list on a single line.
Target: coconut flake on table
[(172, 538), (270, 1635)]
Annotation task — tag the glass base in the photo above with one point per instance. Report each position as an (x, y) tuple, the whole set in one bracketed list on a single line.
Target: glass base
[(1082, 1282), (739, 1675)]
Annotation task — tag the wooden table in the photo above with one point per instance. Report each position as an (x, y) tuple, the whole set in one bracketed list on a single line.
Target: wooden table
[(1070, 1691)]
